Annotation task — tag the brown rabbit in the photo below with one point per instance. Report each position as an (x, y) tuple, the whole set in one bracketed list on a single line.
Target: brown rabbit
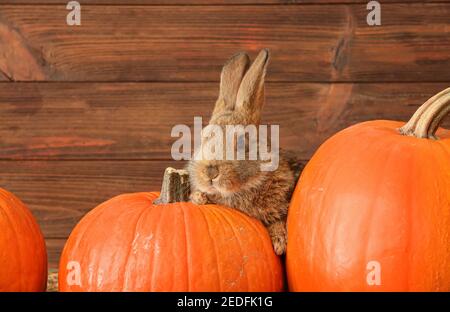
[(241, 184)]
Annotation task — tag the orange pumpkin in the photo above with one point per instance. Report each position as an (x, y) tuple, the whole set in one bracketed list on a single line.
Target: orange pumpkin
[(371, 211), (130, 243), (23, 257)]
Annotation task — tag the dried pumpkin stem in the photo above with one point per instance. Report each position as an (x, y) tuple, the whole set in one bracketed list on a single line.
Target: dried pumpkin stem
[(175, 187), (427, 119)]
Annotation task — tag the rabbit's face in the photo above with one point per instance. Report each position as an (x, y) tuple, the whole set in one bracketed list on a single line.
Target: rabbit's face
[(223, 177), (212, 175)]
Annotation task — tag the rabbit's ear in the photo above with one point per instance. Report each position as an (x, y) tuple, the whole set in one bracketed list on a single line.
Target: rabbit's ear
[(230, 79), (250, 97)]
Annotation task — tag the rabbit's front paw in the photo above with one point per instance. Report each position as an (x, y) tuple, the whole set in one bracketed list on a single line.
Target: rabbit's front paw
[(199, 198), (278, 234)]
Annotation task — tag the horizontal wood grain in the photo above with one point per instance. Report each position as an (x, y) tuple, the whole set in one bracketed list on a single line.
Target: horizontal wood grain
[(211, 2), (59, 193), (134, 120), (54, 250), (190, 43)]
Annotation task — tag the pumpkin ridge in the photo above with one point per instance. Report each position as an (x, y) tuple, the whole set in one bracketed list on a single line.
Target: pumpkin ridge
[(127, 258), (208, 226), (93, 278), (36, 233), (151, 217), (446, 150), (81, 235), (388, 157), (239, 241), (411, 204), (15, 235), (155, 263), (330, 252), (25, 247), (186, 244), (434, 166), (225, 212), (358, 131), (267, 249)]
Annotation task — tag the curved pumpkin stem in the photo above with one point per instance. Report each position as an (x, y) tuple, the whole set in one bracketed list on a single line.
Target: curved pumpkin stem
[(427, 119), (175, 187)]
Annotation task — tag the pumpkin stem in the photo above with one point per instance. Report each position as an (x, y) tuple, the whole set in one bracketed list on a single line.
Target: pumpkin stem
[(427, 119), (175, 187)]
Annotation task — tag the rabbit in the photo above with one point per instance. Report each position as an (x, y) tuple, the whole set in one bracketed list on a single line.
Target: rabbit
[(240, 184)]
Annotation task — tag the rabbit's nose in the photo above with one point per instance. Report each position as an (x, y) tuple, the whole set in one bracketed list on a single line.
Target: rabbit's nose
[(212, 172)]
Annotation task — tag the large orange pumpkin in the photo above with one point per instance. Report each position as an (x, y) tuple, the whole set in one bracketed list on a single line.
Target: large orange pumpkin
[(23, 257), (371, 211), (130, 243)]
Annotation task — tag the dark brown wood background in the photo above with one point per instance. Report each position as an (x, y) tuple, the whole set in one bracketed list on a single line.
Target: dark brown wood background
[(86, 111)]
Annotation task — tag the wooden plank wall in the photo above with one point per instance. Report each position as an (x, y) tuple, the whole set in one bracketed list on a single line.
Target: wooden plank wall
[(86, 112)]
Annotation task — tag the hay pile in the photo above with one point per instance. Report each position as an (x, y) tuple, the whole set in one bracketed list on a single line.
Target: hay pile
[(52, 281)]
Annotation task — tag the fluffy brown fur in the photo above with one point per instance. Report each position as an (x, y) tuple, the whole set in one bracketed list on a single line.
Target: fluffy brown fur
[(240, 184)]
